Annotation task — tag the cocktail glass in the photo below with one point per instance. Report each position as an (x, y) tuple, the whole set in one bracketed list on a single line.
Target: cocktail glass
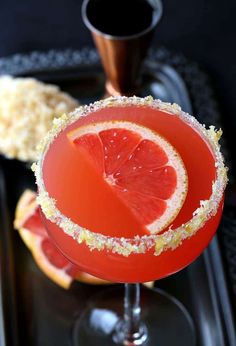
[(122, 31), (66, 187)]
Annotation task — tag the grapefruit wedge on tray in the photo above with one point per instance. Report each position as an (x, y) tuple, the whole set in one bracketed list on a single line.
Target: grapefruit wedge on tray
[(48, 258)]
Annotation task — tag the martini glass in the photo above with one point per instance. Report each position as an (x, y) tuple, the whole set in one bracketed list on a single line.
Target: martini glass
[(66, 187), (122, 31)]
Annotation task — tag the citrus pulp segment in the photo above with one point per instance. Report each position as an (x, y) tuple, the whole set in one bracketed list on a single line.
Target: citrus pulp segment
[(32, 231), (141, 167)]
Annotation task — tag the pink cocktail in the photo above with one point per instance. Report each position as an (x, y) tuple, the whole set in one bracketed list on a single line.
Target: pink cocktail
[(104, 203)]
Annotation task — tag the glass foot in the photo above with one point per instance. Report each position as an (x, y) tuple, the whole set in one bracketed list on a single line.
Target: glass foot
[(164, 318)]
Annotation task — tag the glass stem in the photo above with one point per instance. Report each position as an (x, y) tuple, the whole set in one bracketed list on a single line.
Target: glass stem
[(132, 309), (131, 330)]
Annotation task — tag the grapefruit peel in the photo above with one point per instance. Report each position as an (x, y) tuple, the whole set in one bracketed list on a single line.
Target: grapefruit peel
[(171, 238)]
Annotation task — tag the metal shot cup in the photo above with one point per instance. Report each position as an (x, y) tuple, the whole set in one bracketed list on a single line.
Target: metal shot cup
[(122, 56)]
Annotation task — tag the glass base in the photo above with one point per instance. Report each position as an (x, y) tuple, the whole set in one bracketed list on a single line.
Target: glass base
[(165, 319)]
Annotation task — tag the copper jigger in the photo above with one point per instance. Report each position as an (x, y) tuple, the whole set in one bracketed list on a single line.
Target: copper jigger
[(121, 55)]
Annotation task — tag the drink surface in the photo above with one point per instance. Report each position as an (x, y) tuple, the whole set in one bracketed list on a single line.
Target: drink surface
[(84, 197), (107, 16)]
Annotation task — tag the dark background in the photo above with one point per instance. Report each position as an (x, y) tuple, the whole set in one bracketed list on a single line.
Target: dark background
[(203, 30)]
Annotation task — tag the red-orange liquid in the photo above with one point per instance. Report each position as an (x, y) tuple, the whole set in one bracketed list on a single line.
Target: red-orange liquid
[(86, 198)]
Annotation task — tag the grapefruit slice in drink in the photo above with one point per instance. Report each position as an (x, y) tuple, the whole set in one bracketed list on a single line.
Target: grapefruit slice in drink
[(142, 169), (32, 231)]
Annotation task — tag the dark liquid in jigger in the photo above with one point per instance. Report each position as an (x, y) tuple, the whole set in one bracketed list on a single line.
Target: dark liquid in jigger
[(120, 17)]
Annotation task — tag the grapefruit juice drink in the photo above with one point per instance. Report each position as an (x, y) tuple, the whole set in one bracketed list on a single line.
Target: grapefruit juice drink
[(131, 189)]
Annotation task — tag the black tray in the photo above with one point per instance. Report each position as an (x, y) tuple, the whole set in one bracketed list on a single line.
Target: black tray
[(36, 312)]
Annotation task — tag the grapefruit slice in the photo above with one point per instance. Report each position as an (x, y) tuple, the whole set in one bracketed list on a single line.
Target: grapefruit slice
[(32, 231), (141, 167)]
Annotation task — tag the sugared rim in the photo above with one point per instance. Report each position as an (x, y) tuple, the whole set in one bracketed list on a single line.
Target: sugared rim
[(171, 238)]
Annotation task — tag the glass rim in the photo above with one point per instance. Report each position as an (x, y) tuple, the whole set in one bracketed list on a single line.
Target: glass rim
[(170, 238), (92, 28)]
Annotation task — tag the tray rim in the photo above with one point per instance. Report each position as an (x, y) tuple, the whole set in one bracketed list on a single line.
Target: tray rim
[(82, 59), (8, 305)]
